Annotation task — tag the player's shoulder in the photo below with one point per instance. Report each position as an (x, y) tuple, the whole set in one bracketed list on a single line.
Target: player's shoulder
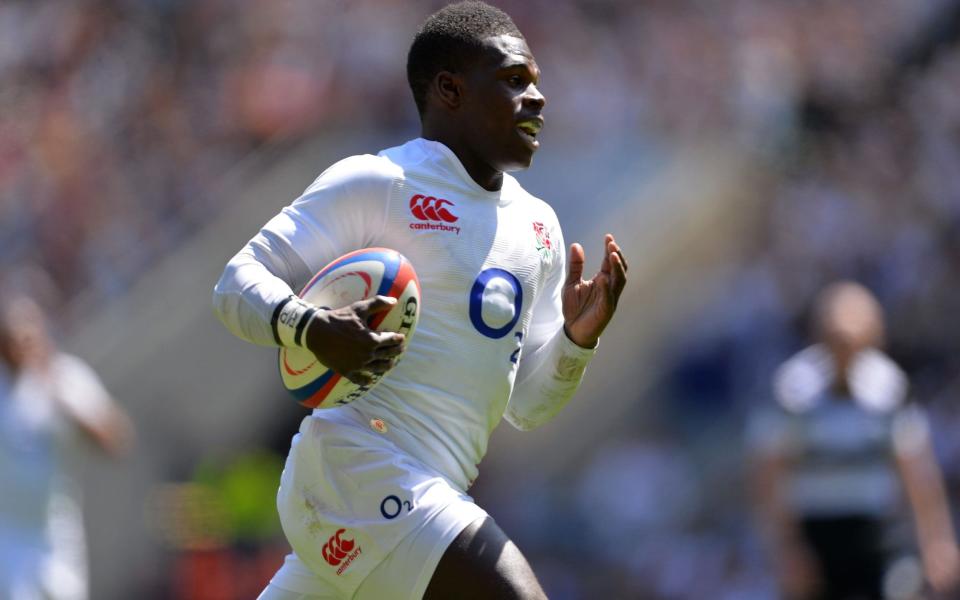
[(358, 169), (71, 368), (878, 383), (65, 360), (520, 196), (800, 380)]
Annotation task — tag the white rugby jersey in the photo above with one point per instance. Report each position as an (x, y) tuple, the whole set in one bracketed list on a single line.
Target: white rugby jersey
[(491, 269)]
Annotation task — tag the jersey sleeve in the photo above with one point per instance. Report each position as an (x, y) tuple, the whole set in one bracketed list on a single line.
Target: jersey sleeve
[(911, 431), (343, 210), (81, 392), (551, 365)]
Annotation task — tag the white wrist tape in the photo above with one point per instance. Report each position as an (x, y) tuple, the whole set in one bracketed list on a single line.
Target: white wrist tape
[(290, 320)]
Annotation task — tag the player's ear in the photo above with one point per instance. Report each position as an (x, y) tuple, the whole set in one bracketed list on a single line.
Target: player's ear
[(448, 88)]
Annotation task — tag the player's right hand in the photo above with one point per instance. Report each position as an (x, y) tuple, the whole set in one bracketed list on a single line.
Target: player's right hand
[(342, 340)]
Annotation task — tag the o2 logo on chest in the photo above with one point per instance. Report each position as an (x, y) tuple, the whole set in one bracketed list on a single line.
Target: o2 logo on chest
[(496, 299), (495, 302)]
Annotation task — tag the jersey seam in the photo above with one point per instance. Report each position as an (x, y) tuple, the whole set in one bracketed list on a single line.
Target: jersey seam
[(394, 187)]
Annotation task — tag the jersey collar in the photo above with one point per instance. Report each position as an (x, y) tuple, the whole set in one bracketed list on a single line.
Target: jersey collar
[(448, 160)]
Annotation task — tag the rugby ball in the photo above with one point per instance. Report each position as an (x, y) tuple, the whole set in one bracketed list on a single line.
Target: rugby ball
[(352, 277)]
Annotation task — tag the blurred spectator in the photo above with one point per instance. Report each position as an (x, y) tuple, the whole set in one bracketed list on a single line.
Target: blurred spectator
[(47, 397), (840, 457)]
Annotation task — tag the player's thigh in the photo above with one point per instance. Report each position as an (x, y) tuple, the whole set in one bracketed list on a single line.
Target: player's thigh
[(481, 563)]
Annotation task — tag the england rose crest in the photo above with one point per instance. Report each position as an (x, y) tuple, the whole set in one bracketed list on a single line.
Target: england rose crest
[(544, 244)]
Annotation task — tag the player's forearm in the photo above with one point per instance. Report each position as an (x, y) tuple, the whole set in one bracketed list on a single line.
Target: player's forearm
[(547, 379), (246, 296), (923, 484), (922, 479), (934, 528)]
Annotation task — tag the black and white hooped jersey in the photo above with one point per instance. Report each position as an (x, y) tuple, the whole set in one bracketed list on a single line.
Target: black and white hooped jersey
[(840, 449)]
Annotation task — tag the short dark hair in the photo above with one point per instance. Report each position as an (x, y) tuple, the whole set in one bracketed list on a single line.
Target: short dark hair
[(450, 40)]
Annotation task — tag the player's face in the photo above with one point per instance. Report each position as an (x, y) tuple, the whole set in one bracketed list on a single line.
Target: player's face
[(23, 336), (503, 105)]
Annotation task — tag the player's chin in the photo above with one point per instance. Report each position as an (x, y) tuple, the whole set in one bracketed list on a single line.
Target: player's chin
[(520, 159), (517, 166)]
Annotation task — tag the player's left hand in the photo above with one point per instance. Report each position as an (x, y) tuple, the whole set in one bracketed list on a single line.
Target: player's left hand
[(589, 305)]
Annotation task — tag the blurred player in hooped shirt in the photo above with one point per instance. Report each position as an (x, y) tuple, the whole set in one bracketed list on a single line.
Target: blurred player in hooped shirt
[(47, 397), (842, 460)]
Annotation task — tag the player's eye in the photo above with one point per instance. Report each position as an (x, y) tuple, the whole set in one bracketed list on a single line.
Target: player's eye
[(515, 81)]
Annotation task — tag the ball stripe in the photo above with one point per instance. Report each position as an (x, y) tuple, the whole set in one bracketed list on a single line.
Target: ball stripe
[(404, 274), (389, 258), (317, 387)]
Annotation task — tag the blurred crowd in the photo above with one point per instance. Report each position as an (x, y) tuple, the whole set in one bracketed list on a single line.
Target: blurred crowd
[(119, 119)]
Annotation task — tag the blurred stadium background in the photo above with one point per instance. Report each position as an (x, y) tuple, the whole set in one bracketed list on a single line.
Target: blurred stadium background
[(744, 153)]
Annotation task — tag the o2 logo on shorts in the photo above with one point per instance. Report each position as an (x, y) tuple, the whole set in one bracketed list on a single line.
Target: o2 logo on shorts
[(495, 302), (392, 506)]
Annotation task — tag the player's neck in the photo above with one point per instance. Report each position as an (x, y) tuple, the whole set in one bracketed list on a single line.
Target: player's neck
[(483, 174)]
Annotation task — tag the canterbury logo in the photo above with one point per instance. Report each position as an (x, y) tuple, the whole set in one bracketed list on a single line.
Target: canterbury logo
[(428, 208), (336, 549)]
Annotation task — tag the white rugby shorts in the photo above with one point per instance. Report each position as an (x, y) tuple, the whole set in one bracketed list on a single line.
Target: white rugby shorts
[(365, 520)]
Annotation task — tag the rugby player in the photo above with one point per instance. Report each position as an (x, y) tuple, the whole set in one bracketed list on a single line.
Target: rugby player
[(844, 459), (373, 498), (51, 404)]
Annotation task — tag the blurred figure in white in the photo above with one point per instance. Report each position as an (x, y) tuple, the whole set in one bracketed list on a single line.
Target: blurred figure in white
[(47, 397), (840, 462)]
